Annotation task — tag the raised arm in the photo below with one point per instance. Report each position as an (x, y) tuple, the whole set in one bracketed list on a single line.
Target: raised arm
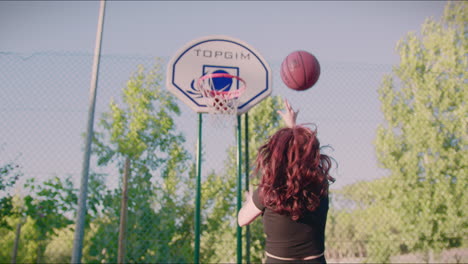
[(289, 116)]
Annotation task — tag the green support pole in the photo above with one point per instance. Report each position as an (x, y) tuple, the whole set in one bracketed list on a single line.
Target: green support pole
[(239, 188), (198, 192), (247, 169)]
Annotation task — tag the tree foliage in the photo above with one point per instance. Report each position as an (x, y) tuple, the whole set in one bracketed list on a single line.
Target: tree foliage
[(41, 214), (141, 128), (9, 175), (423, 143), (421, 205)]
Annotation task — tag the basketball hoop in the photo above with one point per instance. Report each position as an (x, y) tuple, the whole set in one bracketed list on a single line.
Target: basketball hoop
[(221, 100), (216, 89)]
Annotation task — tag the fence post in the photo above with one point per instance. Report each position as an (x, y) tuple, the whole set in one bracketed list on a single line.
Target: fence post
[(79, 227)]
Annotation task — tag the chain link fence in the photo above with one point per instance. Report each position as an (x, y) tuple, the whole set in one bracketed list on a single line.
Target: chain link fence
[(43, 113)]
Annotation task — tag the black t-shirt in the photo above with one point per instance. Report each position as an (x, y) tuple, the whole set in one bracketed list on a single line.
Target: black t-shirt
[(294, 239)]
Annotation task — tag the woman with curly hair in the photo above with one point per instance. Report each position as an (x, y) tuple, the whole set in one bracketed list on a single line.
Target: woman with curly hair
[(292, 195)]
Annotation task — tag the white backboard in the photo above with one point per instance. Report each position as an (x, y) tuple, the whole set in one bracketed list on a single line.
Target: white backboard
[(218, 54)]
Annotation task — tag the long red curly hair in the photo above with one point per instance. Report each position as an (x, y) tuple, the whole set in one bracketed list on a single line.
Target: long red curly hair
[(295, 175)]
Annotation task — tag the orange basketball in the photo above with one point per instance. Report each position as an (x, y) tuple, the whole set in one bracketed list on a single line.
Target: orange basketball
[(300, 70)]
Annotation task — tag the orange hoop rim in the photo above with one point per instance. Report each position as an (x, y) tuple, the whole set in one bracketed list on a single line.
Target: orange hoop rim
[(225, 94)]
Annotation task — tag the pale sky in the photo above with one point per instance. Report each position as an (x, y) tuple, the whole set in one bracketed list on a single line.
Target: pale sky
[(356, 31), (337, 32)]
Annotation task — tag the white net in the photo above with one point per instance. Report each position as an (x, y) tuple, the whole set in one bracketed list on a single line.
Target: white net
[(222, 102)]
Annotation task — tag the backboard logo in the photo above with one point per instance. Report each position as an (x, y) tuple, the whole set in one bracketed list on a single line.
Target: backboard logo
[(229, 55), (216, 84)]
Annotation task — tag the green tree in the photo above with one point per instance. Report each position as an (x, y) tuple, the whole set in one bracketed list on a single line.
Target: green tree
[(9, 175), (47, 205), (27, 248), (139, 136), (361, 225), (43, 220), (60, 247), (423, 143)]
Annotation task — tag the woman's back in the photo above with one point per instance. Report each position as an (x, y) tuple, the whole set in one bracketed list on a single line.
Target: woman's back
[(294, 239), (292, 195)]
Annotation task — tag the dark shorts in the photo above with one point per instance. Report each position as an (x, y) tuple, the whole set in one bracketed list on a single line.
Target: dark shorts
[(316, 260)]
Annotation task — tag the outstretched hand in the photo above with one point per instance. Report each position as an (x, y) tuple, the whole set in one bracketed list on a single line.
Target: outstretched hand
[(289, 116)]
